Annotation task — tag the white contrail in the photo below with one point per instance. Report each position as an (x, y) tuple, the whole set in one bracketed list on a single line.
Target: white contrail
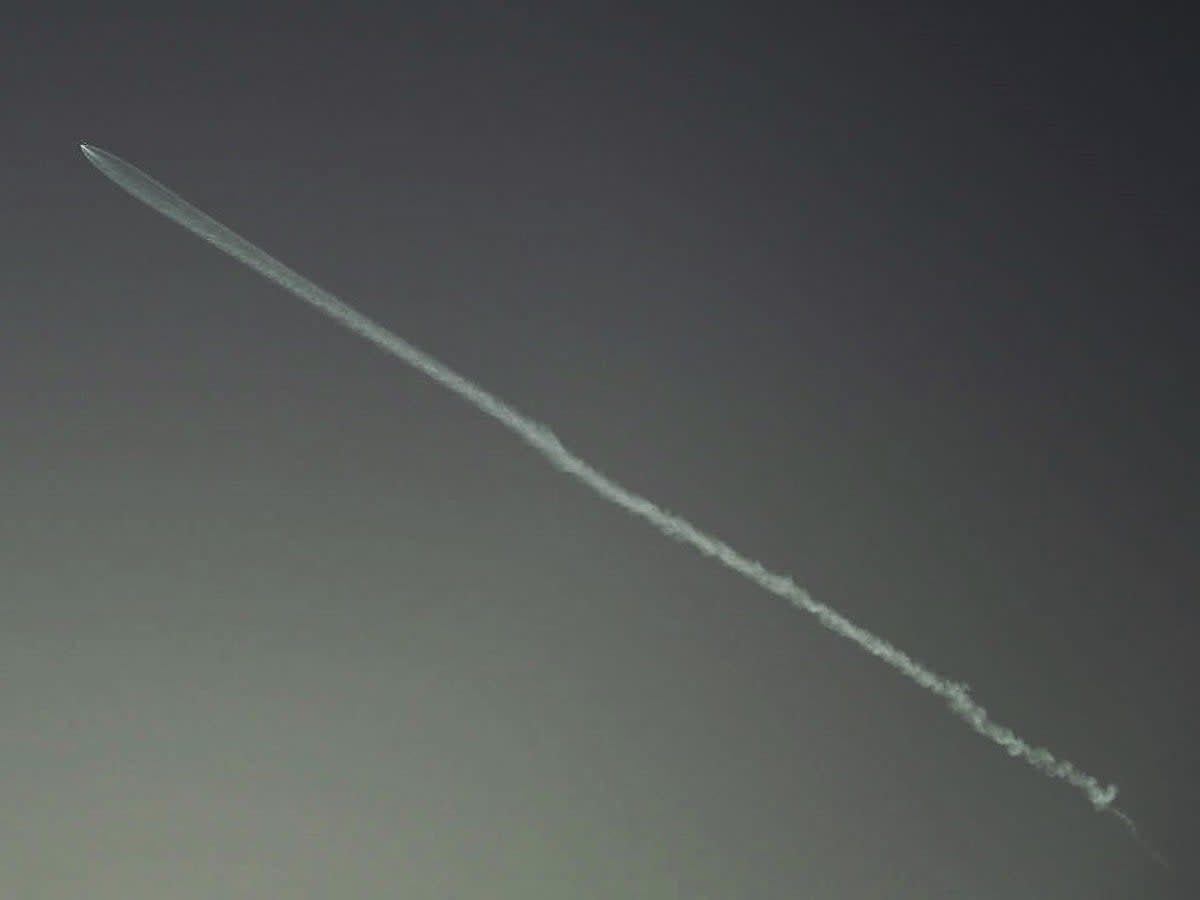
[(543, 440)]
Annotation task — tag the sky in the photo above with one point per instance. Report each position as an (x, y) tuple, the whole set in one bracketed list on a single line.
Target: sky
[(897, 302)]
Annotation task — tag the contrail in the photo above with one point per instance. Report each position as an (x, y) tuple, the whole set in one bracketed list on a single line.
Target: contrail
[(543, 440)]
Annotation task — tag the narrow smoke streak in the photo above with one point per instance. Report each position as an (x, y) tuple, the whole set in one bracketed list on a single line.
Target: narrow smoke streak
[(543, 440)]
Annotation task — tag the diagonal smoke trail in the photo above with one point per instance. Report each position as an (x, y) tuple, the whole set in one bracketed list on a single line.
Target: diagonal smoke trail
[(544, 441)]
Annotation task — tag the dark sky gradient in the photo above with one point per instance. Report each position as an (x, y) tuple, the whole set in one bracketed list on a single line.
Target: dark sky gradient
[(899, 303)]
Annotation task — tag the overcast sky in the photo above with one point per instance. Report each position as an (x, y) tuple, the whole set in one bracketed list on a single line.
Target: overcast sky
[(897, 302)]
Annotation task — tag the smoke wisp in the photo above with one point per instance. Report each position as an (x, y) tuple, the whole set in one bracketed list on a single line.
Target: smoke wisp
[(543, 440)]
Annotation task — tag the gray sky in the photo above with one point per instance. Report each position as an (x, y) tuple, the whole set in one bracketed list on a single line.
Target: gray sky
[(899, 305)]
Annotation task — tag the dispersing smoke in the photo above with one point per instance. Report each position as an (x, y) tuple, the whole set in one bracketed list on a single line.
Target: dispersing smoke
[(544, 441)]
